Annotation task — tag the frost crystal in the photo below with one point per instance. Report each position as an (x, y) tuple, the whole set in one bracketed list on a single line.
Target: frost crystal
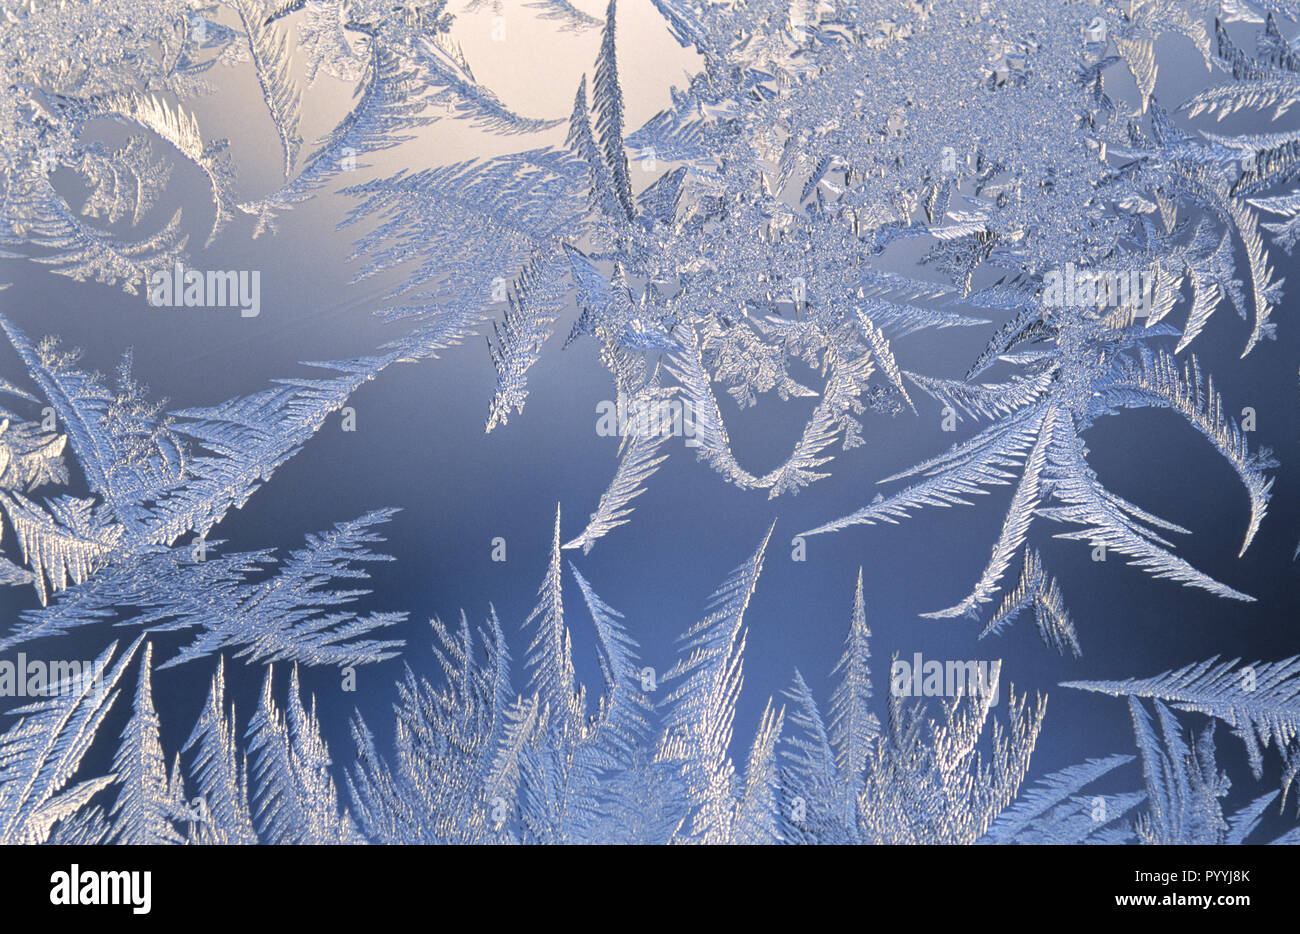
[(839, 201)]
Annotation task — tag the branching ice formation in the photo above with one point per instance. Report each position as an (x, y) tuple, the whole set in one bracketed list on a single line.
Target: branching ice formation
[(836, 183)]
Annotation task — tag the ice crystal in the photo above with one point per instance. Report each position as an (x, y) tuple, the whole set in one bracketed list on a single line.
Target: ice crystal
[(836, 183)]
